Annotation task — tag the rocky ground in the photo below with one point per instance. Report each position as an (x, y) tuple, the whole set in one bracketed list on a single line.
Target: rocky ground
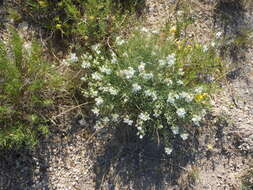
[(74, 157)]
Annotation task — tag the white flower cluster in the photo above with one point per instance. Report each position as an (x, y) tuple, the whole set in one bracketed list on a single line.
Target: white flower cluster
[(136, 87), (71, 58), (146, 94), (188, 97), (120, 41), (127, 73), (144, 116), (150, 93), (169, 61)]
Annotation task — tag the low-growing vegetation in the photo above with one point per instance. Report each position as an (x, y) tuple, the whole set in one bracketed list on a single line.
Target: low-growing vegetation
[(86, 22), (25, 78), (159, 87)]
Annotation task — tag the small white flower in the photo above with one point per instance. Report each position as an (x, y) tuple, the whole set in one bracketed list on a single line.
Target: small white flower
[(105, 120), (65, 62), (175, 130), (127, 73), (176, 96), (170, 98), (148, 92), (113, 54), (168, 150), (160, 126), (196, 119), (156, 114), (180, 82), (125, 54), (184, 136), (96, 76), (96, 48), (99, 101), (181, 112), (136, 87), (114, 60), (171, 59), (98, 126), (181, 72), (205, 48), (141, 67), (105, 70), (113, 91), (162, 62), (151, 94), (96, 62), (143, 29), (144, 116), (83, 79), (155, 31), (72, 58), (115, 117), (203, 113), (119, 41), (198, 90), (141, 136), (154, 97), (95, 111), (148, 76), (85, 64), (168, 82), (218, 34), (128, 121), (93, 93), (188, 98), (28, 47)]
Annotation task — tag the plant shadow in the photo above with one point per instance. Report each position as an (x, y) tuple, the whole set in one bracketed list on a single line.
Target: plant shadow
[(130, 163), (28, 169), (18, 169), (230, 17)]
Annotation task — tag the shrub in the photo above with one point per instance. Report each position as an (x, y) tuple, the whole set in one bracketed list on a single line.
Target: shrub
[(90, 21), (155, 85), (25, 77)]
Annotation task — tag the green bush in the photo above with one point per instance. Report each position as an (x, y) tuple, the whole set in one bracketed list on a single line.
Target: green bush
[(157, 85), (25, 77), (90, 21)]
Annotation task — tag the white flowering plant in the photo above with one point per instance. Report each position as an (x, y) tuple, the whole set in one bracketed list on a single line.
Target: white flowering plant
[(149, 84)]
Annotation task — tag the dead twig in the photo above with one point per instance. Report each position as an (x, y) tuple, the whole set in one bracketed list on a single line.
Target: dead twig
[(78, 106)]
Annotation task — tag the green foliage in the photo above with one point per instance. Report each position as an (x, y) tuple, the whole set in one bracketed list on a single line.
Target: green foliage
[(24, 78), (90, 21), (158, 86)]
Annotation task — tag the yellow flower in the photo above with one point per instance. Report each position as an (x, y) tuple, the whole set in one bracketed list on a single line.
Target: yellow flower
[(173, 29), (91, 17), (58, 26), (210, 147), (197, 45), (43, 3), (200, 97)]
